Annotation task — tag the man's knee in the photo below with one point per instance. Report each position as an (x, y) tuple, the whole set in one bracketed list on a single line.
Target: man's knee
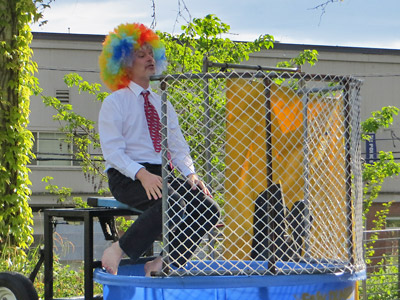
[(213, 209)]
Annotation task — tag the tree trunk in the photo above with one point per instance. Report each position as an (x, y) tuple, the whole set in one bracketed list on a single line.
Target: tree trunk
[(15, 141), (9, 78)]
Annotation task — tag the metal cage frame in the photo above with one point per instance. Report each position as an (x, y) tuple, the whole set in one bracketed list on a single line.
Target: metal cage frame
[(349, 89)]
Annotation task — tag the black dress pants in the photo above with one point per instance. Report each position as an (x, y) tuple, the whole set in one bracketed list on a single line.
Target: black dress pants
[(191, 213)]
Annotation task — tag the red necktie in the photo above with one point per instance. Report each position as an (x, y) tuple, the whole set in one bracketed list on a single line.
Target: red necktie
[(153, 121)]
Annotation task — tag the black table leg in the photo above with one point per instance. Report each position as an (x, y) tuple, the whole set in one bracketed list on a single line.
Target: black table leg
[(48, 256), (88, 255)]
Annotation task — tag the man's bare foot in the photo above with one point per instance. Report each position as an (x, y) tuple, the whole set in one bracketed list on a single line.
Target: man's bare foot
[(111, 258), (153, 266)]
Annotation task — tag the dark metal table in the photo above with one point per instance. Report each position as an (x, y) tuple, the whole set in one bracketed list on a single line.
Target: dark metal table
[(86, 215)]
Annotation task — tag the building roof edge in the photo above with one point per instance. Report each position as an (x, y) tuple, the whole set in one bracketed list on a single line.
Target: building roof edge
[(277, 45)]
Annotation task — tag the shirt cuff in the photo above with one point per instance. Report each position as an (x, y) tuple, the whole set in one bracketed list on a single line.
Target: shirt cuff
[(132, 169), (188, 170)]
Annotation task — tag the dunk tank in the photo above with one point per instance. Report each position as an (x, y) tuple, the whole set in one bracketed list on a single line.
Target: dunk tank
[(280, 152)]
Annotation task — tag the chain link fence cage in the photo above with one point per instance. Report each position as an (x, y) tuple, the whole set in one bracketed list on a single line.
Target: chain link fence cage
[(382, 260), (280, 152)]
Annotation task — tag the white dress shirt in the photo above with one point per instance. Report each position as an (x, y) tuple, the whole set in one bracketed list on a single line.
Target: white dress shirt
[(125, 138)]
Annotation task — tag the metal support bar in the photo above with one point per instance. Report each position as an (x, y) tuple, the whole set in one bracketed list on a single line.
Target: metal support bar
[(268, 126), (251, 67), (398, 269), (271, 75), (320, 90), (88, 255), (348, 174), (269, 174), (306, 173), (206, 124), (35, 271), (164, 163), (48, 256)]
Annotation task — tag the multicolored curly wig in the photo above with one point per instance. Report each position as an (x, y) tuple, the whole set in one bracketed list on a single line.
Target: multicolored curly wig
[(118, 49)]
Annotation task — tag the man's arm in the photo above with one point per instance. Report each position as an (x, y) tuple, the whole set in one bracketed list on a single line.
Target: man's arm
[(180, 152), (195, 182), (151, 183)]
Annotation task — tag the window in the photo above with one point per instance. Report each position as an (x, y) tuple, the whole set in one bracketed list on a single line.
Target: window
[(52, 149), (55, 149), (393, 222)]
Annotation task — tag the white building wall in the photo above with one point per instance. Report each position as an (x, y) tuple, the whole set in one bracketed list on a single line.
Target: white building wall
[(56, 56)]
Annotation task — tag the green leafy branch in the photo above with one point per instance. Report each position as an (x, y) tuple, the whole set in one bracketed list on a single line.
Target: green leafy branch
[(379, 119), (376, 173), (80, 131)]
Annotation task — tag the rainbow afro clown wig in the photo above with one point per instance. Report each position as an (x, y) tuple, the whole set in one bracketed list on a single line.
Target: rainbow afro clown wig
[(118, 50)]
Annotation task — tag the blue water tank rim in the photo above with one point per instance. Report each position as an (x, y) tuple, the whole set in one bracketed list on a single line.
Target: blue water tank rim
[(207, 282)]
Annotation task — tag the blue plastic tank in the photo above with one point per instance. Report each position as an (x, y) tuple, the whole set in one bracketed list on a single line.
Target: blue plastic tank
[(131, 284)]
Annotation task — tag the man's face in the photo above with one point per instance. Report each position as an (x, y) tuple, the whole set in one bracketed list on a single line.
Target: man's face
[(143, 65)]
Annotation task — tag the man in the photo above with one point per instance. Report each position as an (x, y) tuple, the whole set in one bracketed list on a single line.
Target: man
[(130, 138)]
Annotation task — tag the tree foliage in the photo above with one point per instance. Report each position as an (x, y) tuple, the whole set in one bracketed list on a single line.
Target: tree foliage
[(379, 119), (80, 131), (385, 167), (204, 38), (376, 173)]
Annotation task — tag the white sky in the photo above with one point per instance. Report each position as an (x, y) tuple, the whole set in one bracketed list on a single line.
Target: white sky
[(357, 23)]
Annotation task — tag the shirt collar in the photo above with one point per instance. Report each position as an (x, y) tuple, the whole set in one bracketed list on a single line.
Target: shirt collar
[(137, 89)]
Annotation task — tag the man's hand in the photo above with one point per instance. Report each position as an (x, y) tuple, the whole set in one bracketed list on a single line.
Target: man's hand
[(195, 182), (152, 183)]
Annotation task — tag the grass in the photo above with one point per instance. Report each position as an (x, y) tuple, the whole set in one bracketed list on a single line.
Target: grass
[(68, 280)]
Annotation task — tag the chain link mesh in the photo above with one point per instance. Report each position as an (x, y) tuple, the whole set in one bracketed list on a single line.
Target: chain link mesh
[(280, 153)]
